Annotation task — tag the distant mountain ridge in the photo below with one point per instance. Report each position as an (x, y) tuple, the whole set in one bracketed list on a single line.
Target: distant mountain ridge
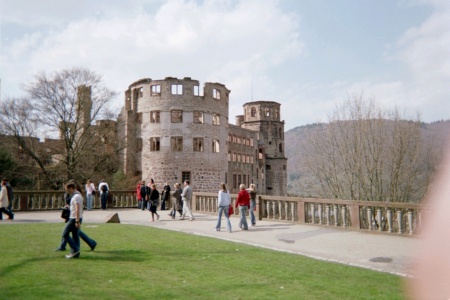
[(301, 183)]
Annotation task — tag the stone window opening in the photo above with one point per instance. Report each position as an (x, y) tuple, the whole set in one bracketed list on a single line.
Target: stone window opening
[(280, 148), (176, 116), (234, 156), (141, 92), (198, 144), (156, 90), (186, 175), (155, 116), (197, 91), (253, 112), (216, 119), (139, 118), (229, 156), (139, 144), (198, 117), (267, 112), (176, 143), (155, 144), (215, 146), (177, 89), (260, 154), (216, 94)]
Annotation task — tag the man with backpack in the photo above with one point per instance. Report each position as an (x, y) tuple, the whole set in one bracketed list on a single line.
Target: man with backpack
[(103, 187)]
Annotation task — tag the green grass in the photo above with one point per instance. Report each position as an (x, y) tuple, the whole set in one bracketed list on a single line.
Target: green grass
[(140, 262)]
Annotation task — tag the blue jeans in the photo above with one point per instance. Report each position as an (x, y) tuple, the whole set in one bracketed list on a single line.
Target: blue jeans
[(252, 212), (74, 240), (89, 201), (90, 242), (104, 198), (223, 209), (243, 221)]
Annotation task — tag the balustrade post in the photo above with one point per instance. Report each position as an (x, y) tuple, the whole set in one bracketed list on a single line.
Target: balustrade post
[(327, 213), (336, 217), (293, 211), (399, 221), (313, 213), (410, 221), (274, 206), (268, 208), (379, 218), (369, 217), (301, 212), (344, 216), (389, 219), (320, 213)]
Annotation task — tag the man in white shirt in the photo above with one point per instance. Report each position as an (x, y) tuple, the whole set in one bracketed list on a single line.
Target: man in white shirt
[(74, 223), (103, 187)]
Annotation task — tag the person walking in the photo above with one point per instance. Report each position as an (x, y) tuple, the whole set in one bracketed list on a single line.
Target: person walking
[(252, 192), (4, 202), (74, 222), (103, 187), (138, 194), (243, 201), (10, 196), (186, 196), (144, 192), (177, 204), (90, 191), (223, 204), (165, 196), (153, 202), (90, 242)]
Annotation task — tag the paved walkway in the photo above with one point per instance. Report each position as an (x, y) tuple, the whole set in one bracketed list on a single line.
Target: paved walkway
[(381, 252)]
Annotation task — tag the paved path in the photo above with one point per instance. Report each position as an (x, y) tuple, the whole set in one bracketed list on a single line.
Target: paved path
[(382, 252)]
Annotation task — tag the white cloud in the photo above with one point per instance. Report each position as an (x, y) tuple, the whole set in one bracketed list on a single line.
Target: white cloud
[(218, 41)]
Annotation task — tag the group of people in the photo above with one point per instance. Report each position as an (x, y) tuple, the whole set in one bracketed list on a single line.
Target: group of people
[(245, 200), (103, 188), (148, 199), (6, 199)]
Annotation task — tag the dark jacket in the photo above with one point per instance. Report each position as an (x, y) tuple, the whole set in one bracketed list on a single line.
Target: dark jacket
[(154, 197)]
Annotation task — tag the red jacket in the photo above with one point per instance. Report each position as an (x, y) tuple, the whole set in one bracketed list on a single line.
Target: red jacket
[(138, 192), (243, 198)]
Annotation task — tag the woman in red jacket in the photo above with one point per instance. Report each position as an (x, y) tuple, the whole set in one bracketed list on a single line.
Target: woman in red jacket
[(243, 201)]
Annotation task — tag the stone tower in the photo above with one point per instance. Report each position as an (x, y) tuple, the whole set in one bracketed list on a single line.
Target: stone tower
[(176, 130), (264, 117)]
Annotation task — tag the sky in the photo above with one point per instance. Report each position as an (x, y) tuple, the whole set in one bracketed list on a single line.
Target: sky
[(307, 55)]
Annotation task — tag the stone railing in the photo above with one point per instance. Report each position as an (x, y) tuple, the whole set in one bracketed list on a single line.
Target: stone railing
[(402, 218), (391, 217), (47, 200)]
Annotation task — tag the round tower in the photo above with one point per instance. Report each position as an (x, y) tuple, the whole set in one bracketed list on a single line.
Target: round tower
[(179, 131)]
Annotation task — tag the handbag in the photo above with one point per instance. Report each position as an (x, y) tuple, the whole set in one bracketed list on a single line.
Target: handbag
[(230, 210), (65, 213)]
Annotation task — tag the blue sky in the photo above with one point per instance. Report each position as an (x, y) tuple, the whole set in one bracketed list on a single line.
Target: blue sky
[(307, 55)]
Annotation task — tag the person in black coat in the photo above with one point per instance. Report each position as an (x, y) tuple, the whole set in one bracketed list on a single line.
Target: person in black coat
[(165, 196), (153, 202)]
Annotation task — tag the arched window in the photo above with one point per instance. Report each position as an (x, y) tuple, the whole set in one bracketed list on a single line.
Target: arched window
[(267, 111), (253, 112), (280, 148)]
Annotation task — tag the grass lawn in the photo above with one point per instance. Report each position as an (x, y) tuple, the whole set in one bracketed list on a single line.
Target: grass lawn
[(140, 262)]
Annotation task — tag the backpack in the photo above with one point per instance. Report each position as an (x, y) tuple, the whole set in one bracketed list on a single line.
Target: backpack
[(104, 188)]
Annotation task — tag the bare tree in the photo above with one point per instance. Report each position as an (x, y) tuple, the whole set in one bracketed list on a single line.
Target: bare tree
[(62, 107), (367, 153)]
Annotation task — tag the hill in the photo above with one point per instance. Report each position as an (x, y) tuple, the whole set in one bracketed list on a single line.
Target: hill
[(436, 136)]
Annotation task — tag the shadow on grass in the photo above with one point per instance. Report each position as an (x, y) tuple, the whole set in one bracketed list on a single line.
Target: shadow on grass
[(118, 255)]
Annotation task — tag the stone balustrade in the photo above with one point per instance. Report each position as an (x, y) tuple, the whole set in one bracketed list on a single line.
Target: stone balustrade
[(390, 217)]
